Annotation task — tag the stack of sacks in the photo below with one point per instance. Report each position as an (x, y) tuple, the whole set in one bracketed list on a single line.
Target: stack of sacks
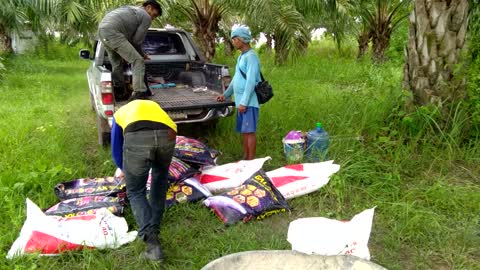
[(190, 154), (246, 199), (87, 195)]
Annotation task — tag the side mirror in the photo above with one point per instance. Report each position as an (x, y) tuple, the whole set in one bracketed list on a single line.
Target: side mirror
[(85, 54)]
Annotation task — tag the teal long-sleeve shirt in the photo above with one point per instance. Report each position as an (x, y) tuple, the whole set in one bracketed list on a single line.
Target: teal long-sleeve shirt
[(244, 88)]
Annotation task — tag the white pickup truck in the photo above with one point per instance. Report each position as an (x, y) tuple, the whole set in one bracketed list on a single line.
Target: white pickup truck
[(181, 81)]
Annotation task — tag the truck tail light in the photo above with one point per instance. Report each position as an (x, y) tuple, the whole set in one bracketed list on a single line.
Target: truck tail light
[(107, 98), (108, 112)]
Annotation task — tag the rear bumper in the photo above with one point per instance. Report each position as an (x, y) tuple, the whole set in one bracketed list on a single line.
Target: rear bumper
[(211, 114), (205, 116)]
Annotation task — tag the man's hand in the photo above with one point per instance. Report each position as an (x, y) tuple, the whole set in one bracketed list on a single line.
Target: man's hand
[(221, 98), (120, 175), (146, 57), (242, 109)]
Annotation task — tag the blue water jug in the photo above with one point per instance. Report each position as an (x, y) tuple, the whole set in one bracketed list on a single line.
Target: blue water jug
[(317, 144)]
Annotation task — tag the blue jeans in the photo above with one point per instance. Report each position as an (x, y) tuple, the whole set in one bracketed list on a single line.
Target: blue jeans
[(143, 150)]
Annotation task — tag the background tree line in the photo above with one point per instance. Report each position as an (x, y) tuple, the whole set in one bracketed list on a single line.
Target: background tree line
[(440, 69)]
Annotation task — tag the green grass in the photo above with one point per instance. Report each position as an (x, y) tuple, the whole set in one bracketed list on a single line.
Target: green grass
[(423, 179)]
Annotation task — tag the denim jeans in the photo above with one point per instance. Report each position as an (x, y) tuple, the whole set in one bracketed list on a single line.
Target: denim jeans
[(118, 48), (143, 150)]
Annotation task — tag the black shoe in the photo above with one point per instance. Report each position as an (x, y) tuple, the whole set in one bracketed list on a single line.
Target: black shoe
[(153, 252), (138, 95)]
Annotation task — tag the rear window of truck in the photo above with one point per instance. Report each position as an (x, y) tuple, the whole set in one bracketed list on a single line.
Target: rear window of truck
[(160, 43)]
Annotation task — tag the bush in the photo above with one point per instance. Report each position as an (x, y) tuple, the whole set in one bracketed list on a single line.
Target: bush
[(473, 83), (398, 41), (2, 68), (50, 48)]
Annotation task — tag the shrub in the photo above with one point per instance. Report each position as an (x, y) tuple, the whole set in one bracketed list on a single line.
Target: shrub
[(2, 68), (473, 83)]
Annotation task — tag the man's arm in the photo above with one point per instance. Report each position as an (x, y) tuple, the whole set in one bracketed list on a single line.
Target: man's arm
[(253, 69), (141, 32), (117, 144), (228, 93)]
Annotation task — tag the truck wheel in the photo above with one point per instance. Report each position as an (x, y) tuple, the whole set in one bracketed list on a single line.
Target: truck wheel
[(103, 131)]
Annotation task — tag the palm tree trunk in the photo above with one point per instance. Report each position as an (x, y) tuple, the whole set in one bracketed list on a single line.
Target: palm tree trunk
[(436, 37), (281, 52), (363, 39), (5, 41), (228, 46), (380, 43), (269, 43), (206, 40)]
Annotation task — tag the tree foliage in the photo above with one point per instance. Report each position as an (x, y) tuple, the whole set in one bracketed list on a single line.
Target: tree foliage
[(379, 19), (204, 15)]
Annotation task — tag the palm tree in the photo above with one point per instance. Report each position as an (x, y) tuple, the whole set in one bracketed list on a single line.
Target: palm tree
[(281, 21), (334, 15), (73, 19), (11, 20), (204, 16), (436, 39), (380, 20)]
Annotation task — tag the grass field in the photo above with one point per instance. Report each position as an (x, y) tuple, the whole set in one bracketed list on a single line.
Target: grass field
[(423, 179)]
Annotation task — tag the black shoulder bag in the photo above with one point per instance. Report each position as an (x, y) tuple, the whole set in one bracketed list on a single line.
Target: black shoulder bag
[(263, 89)]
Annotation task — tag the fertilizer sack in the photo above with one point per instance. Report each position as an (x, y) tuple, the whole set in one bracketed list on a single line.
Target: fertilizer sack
[(177, 172), (323, 236), (300, 179), (227, 176), (86, 205), (194, 151), (48, 235), (102, 186), (255, 198), (189, 190)]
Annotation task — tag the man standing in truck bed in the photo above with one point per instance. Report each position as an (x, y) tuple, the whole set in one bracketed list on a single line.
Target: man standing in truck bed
[(123, 31)]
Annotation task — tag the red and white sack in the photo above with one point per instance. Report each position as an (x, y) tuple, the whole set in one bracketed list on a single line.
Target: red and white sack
[(300, 179), (49, 235), (323, 236), (231, 175)]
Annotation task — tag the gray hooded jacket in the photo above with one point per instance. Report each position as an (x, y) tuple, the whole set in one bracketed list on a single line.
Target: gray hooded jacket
[(132, 22)]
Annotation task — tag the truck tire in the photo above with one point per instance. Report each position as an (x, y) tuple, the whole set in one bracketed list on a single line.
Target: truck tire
[(103, 131)]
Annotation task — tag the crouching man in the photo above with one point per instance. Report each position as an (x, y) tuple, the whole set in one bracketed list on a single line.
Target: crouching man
[(143, 137)]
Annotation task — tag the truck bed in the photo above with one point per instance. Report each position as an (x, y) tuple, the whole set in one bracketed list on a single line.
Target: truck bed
[(184, 98)]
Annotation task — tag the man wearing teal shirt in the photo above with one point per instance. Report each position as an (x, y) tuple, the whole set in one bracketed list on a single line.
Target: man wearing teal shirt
[(247, 75)]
